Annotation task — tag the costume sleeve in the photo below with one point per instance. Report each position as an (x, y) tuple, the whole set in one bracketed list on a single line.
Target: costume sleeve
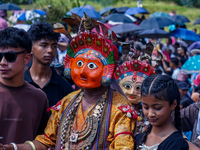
[(188, 116), (50, 132), (121, 129)]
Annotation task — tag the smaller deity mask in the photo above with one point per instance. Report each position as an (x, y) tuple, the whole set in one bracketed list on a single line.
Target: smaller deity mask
[(130, 76)]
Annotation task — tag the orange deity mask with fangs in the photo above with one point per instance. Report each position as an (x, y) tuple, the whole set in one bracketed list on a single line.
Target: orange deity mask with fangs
[(130, 76)]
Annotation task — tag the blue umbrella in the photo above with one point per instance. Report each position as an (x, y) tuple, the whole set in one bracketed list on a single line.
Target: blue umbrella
[(136, 10), (160, 14), (31, 14), (119, 18), (9, 6), (197, 21), (106, 9), (194, 45), (156, 22), (154, 33), (79, 11), (120, 10), (192, 65), (179, 19), (185, 34), (125, 28)]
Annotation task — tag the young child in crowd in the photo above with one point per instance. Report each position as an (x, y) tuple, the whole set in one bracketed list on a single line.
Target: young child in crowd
[(160, 99)]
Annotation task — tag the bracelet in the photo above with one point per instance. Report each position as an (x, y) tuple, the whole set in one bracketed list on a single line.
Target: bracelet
[(14, 145), (31, 144)]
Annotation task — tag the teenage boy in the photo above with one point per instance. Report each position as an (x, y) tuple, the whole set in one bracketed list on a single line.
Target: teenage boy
[(22, 106), (40, 74)]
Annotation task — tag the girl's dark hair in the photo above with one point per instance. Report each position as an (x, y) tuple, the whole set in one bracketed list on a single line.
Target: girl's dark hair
[(164, 88)]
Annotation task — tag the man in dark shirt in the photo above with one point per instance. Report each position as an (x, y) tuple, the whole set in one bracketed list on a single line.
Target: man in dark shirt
[(23, 107), (40, 74)]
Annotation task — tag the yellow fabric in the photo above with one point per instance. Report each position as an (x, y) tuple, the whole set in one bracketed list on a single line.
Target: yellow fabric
[(119, 122)]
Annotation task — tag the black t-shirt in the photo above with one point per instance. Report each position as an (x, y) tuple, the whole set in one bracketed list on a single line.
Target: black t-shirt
[(55, 89), (173, 142)]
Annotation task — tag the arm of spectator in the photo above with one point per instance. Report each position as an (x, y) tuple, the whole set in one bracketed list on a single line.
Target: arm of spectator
[(165, 66), (189, 115)]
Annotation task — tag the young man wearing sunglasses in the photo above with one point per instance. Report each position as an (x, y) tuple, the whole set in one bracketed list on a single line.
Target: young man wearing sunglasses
[(40, 74), (22, 106)]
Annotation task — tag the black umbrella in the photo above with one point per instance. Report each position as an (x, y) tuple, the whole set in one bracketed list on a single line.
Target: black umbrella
[(121, 18), (179, 19), (197, 21), (120, 10), (106, 9), (156, 22), (9, 6), (154, 33), (125, 28)]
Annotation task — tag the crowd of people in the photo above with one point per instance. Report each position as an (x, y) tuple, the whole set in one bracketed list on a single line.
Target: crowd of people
[(94, 91)]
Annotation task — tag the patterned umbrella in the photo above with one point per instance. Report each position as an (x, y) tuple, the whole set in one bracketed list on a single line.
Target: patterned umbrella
[(192, 65)]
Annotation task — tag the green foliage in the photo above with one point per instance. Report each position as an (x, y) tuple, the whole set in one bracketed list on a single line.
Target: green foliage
[(19, 2)]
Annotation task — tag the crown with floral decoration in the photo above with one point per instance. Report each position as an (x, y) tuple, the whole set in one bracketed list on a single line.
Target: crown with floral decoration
[(135, 68)]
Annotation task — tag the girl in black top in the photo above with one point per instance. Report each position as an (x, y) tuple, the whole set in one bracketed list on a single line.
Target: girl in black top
[(160, 98)]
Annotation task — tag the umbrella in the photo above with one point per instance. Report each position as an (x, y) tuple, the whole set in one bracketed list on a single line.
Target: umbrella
[(9, 6), (88, 6), (179, 19), (79, 11), (194, 45), (136, 10), (31, 14), (160, 14), (22, 26), (106, 9), (156, 22), (120, 10), (197, 21), (192, 65), (118, 19), (126, 27), (154, 33), (185, 34)]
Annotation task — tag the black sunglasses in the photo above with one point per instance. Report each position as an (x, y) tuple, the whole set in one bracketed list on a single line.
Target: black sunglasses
[(10, 56)]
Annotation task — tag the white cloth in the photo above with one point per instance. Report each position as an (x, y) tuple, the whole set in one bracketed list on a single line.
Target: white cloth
[(175, 73), (153, 147)]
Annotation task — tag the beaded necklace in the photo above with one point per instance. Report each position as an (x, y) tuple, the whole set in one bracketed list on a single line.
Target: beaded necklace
[(82, 139)]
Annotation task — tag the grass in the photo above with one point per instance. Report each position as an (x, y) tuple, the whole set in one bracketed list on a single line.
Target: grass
[(152, 6)]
